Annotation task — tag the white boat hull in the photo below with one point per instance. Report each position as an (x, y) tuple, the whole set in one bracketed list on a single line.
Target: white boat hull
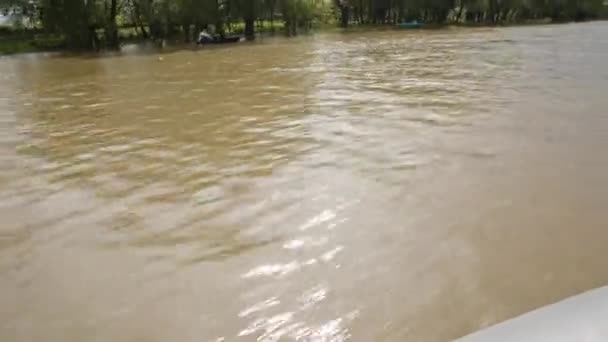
[(582, 318)]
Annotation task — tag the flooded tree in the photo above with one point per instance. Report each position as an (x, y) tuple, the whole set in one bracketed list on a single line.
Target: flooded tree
[(343, 7), (76, 20), (247, 10)]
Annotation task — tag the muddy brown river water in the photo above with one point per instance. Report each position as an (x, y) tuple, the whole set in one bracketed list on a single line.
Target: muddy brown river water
[(381, 186)]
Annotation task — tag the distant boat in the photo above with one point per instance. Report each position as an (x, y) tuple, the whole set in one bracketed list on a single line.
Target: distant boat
[(220, 40), (410, 25)]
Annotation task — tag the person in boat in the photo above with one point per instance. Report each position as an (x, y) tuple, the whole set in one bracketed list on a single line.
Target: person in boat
[(205, 37)]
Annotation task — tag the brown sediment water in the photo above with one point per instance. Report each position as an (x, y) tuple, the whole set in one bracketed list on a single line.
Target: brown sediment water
[(384, 186)]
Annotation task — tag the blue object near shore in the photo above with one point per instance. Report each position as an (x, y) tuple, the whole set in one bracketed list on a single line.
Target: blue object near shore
[(410, 25)]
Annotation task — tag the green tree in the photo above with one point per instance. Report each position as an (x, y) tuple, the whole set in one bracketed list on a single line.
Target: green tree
[(75, 19)]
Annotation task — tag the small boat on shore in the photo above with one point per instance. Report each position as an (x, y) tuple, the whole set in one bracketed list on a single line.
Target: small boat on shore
[(410, 25), (219, 40)]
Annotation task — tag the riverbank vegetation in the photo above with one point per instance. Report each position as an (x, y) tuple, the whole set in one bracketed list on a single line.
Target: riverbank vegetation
[(95, 24), (475, 12)]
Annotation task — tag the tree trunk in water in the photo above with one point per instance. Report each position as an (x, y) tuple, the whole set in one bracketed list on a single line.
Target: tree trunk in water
[(81, 31), (360, 8), (492, 6), (144, 33), (249, 28), (344, 13), (186, 29), (294, 27), (94, 40), (112, 29), (138, 22), (460, 11)]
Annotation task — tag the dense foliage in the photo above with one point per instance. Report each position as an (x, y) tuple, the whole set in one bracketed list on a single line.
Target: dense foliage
[(93, 23), (473, 11)]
